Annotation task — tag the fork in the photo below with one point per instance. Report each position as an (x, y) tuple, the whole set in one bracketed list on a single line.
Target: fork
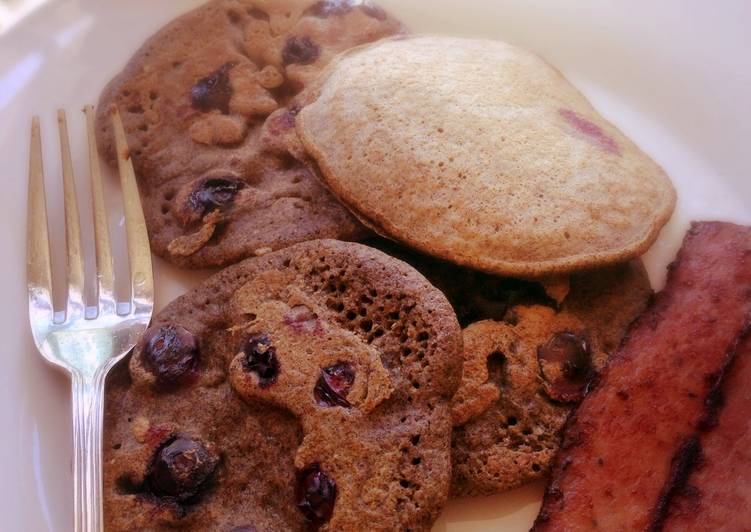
[(86, 341)]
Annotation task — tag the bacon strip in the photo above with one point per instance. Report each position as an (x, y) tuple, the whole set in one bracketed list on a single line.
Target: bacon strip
[(618, 450), (717, 495)]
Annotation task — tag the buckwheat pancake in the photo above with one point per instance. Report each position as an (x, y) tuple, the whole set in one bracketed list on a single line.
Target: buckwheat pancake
[(512, 402), (524, 374), (308, 389), (208, 107), (508, 416), (481, 153)]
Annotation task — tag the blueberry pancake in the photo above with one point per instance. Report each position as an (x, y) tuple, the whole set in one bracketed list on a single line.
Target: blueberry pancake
[(525, 373), (508, 416), (514, 399), (208, 107), (308, 388)]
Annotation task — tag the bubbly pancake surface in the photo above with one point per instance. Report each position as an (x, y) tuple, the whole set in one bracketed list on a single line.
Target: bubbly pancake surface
[(308, 389)]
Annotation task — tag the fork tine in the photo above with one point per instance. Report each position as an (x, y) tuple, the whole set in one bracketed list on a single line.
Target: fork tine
[(105, 270), (139, 252), (75, 307), (38, 267)]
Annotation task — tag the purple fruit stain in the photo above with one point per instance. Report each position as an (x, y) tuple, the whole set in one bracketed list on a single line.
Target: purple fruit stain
[(592, 132), (327, 8), (303, 320), (373, 10), (283, 122)]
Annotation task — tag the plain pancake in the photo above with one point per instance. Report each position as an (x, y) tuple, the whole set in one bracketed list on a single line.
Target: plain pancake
[(481, 153)]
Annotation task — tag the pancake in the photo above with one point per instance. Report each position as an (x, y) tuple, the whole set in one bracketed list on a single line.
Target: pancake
[(512, 405), (524, 374), (207, 105), (481, 153), (507, 423), (306, 389)]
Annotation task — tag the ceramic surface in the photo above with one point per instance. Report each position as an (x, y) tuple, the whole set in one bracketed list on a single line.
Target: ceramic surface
[(675, 75)]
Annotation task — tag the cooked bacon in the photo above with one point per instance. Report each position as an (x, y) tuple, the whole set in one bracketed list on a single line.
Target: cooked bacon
[(632, 435), (717, 494)]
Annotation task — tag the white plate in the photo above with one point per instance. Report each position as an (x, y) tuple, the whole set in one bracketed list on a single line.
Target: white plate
[(674, 75)]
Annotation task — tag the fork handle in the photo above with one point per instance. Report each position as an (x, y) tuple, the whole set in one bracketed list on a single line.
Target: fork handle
[(88, 403)]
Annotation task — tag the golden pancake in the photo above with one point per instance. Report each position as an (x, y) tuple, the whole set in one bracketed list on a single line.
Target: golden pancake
[(481, 153)]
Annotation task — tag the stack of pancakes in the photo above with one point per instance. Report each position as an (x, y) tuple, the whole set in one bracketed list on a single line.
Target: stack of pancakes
[(341, 385)]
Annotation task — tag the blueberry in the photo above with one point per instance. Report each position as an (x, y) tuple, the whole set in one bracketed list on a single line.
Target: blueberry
[(300, 50), (214, 193), (334, 384), (260, 358), (213, 91), (315, 493), (170, 353), (180, 468), (566, 365)]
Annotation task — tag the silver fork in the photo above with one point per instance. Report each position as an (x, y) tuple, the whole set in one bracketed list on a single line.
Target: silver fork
[(86, 344)]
